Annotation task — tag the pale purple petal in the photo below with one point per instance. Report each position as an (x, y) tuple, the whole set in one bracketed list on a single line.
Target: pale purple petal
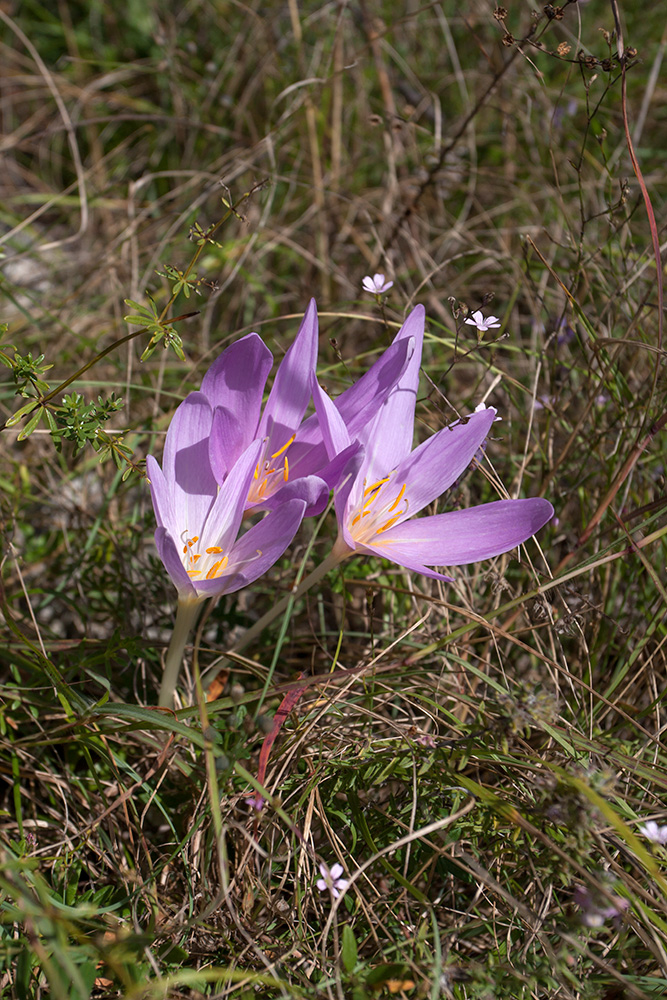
[(236, 381), (290, 393), (227, 442), (356, 405), (313, 489), (224, 519), (186, 464), (383, 549), (169, 555), (332, 425), (439, 461), (464, 536), (260, 547), (161, 494), (359, 404), (336, 869), (388, 437)]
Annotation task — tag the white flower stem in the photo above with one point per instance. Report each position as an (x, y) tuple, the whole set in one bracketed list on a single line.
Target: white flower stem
[(186, 615)]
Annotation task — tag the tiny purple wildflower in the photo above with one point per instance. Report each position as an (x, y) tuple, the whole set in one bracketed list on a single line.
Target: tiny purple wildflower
[(652, 831), (376, 285), (595, 909), (331, 880), (490, 323), (255, 802)]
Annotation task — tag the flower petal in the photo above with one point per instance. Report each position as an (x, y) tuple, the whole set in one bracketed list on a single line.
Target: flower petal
[(388, 437), (160, 495), (226, 442), (313, 489), (236, 381), (356, 405), (439, 461), (290, 393), (336, 869), (185, 462), (226, 513), (169, 555), (259, 548), (465, 536)]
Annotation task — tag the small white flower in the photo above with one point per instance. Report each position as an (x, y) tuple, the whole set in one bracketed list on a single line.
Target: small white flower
[(376, 285), (483, 406), (490, 323), (331, 880), (651, 830)]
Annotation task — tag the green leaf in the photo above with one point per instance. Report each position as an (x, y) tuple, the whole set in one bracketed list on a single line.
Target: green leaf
[(30, 426), (15, 417), (349, 949)]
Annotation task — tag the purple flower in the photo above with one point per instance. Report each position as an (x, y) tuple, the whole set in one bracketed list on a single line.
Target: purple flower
[(386, 483), (294, 462), (376, 285), (234, 387), (483, 324), (652, 831), (596, 908), (199, 518), (331, 880)]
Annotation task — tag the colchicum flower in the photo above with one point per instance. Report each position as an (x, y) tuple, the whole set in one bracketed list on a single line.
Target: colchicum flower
[(376, 285), (491, 323), (331, 880), (387, 484), (199, 519)]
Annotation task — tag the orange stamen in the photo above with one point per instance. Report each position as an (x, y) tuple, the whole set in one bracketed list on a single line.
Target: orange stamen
[(380, 482), (398, 499), (213, 572), (213, 548), (284, 447), (392, 520)]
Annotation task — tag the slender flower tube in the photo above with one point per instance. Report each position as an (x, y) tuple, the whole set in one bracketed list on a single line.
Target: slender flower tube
[(387, 484), (199, 521)]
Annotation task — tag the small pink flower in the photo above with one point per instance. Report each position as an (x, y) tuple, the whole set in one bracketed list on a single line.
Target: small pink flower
[(596, 910), (255, 802), (331, 880), (483, 324), (376, 285), (651, 830)]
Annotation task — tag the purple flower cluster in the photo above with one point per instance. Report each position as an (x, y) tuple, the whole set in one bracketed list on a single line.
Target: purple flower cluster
[(225, 455)]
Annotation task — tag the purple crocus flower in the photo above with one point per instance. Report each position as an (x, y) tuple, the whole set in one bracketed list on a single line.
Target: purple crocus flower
[(199, 518), (387, 484)]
